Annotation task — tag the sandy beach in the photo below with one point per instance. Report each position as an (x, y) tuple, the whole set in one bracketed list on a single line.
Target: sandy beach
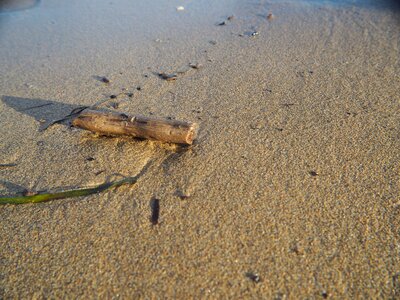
[(291, 190)]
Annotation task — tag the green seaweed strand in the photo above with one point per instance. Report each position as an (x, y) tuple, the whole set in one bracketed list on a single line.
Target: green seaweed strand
[(66, 194)]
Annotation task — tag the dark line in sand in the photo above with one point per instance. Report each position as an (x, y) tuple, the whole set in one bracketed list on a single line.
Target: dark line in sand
[(36, 106), (4, 166)]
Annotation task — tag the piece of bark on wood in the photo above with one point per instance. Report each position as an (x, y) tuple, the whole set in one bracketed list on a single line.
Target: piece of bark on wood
[(108, 123)]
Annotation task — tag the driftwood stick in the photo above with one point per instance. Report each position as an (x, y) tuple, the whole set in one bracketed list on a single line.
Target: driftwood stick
[(108, 123)]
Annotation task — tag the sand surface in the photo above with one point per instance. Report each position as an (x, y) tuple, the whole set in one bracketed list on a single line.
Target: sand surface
[(294, 177)]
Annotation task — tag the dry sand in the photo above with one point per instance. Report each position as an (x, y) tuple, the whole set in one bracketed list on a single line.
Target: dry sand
[(294, 177)]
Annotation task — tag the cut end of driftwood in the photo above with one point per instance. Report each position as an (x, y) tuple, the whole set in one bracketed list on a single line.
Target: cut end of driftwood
[(192, 133), (108, 123)]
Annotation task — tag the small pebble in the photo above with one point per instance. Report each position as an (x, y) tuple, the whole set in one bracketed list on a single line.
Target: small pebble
[(198, 110), (254, 33), (113, 96), (168, 77), (222, 23), (99, 172), (180, 8), (313, 173), (182, 195), (195, 66), (253, 277), (105, 80), (270, 16)]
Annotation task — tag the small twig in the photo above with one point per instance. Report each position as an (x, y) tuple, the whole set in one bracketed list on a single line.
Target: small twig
[(171, 131), (72, 114), (4, 166), (38, 106)]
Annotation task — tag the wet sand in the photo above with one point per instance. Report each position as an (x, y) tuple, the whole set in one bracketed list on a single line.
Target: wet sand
[(291, 190)]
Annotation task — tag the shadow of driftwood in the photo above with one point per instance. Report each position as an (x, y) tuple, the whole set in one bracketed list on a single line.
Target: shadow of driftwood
[(12, 187), (46, 112)]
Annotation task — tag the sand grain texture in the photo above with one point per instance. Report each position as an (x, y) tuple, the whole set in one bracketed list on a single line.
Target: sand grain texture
[(294, 177)]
